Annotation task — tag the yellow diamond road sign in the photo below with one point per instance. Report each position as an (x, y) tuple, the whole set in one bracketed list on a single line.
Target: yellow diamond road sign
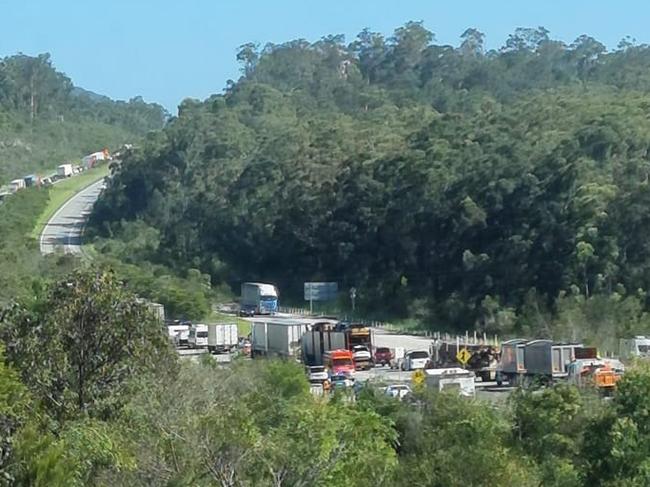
[(463, 356), (418, 377)]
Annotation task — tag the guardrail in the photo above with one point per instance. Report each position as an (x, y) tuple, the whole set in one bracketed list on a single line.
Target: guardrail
[(468, 338)]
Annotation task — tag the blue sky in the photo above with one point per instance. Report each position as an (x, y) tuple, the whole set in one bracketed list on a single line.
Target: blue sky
[(169, 50)]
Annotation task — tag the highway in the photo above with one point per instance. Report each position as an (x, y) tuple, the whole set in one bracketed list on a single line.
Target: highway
[(63, 231)]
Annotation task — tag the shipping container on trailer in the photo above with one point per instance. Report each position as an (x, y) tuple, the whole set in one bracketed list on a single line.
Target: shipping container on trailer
[(222, 337), (279, 338)]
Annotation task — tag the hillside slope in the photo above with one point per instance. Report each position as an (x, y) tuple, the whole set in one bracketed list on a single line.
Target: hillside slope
[(45, 120), (503, 190)]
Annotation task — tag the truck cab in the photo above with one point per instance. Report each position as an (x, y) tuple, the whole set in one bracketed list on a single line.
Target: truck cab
[(198, 336), (339, 362), (637, 347)]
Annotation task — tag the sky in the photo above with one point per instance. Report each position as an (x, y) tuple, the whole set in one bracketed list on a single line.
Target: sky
[(166, 51)]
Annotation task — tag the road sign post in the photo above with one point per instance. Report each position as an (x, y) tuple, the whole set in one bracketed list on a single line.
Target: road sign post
[(463, 356), (320, 291)]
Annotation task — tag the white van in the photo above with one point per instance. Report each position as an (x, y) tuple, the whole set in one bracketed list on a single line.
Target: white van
[(415, 359), (179, 334), (198, 337)]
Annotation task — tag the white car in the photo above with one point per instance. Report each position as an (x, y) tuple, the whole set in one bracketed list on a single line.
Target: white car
[(318, 373), (398, 391), (415, 359)]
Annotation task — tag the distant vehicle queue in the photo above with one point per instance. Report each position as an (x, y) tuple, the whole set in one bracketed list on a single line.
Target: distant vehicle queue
[(63, 171)]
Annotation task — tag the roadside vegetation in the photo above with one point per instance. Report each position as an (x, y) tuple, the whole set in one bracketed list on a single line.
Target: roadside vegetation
[(92, 393)]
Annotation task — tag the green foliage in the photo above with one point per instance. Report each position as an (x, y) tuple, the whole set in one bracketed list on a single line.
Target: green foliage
[(78, 347), (14, 410), (45, 120), (254, 424), (455, 442), (469, 188)]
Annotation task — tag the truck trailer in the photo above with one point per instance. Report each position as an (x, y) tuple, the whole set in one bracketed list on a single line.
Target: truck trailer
[(277, 338), (542, 360), (64, 170), (258, 298), (222, 337), (321, 339)]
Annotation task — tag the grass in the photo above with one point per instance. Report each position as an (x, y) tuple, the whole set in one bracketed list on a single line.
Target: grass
[(243, 326), (63, 191)]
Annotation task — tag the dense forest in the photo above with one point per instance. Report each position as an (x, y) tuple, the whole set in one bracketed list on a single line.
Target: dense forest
[(45, 119), (505, 190)]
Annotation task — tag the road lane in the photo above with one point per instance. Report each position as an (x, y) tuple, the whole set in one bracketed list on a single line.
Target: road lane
[(64, 229)]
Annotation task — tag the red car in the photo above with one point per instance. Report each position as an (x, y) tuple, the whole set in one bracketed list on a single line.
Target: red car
[(383, 356)]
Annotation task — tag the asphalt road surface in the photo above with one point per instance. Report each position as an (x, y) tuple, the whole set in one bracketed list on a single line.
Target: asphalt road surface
[(65, 228)]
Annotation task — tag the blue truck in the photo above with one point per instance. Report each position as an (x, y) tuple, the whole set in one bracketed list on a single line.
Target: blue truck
[(258, 299)]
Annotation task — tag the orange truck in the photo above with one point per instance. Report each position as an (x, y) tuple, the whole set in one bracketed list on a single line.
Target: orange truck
[(603, 374), (339, 362)]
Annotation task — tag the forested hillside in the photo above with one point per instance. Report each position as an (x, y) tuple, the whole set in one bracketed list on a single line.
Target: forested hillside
[(505, 190), (45, 120)]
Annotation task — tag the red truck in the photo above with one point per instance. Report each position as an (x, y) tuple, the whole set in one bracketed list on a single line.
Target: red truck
[(383, 356)]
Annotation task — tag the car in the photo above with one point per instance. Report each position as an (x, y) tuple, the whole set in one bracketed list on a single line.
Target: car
[(341, 381), (362, 357), (383, 356), (317, 373), (398, 391), (247, 312), (415, 359)]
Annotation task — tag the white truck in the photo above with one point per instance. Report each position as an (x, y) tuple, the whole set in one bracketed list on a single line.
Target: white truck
[(64, 170), (258, 298), (451, 379), (179, 334), (637, 347), (158, 311), (222, 337), (279, 338), (198, 336), (17, 185)]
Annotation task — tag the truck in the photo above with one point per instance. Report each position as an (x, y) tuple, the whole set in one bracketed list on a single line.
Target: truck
[(483, 360), (543, 360), (599, 373), (321, 338), (32, 180), (258, 298), (511, 365), (16, 185), (158, 310), (64, 170), (451, 379), (634, 348), (178, 334), (91, 160), (222, 337), (339, 362), (198, 336), (280, 338), (358, 339)]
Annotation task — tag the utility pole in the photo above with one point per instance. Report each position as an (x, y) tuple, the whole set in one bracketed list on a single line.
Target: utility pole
[(353, 297)]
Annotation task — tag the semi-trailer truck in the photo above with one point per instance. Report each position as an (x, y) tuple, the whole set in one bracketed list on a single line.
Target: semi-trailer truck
[(258, 298), (222, 337), (277, 338)]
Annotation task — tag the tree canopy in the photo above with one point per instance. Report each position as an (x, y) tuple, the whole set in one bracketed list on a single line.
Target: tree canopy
[(463, 185)]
